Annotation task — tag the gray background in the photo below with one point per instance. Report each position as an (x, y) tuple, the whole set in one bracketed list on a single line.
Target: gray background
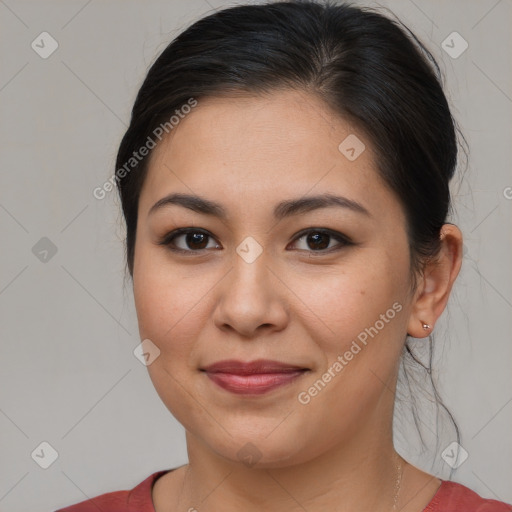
[(68, 375)]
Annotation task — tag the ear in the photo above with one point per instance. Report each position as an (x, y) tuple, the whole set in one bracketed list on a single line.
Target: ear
[(435, 284)]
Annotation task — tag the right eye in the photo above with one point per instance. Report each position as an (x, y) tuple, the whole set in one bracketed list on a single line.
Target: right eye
[(191, 240)]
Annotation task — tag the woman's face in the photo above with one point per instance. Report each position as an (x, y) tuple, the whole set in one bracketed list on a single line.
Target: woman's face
[(317, 288)]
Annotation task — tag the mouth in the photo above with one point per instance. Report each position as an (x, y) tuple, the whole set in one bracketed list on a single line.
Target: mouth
[(254, 377)]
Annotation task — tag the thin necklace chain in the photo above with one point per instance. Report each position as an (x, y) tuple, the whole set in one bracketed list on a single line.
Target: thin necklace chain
[(182, 486), (398, 482)]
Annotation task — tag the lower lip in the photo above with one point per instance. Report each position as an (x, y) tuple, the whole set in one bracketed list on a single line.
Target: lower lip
[(256, 384)]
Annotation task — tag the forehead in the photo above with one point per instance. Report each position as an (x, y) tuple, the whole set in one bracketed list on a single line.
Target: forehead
[(283, 125), (243, 148)]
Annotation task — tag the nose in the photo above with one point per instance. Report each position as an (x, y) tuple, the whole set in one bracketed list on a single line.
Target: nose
[(251, 300)]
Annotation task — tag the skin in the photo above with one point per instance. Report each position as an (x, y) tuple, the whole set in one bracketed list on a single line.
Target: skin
[(294, 303)]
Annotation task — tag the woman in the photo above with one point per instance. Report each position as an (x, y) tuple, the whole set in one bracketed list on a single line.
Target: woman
[(285, 186)]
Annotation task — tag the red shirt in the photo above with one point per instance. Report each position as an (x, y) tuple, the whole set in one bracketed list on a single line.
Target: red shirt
[(450, 497)]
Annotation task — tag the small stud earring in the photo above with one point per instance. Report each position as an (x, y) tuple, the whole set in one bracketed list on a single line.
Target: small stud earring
[(426, 326)]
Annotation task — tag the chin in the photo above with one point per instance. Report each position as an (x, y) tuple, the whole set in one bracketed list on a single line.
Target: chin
[(260, 446)]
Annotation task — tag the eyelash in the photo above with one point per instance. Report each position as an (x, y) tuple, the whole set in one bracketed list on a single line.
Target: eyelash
[(169, 238)]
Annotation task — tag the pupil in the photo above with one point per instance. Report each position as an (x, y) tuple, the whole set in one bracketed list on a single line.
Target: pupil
[(314, 238), (195, 238)]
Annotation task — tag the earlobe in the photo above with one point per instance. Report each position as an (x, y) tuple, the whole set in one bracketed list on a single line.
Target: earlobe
[(418, 328), (436, 283)]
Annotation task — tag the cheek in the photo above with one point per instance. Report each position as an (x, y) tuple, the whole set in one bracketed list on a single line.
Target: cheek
[(350, 301), (163, 309), (171, 303), (164, 302), (365, 311)]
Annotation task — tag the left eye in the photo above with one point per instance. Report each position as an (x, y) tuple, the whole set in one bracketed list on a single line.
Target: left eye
[(320, 240)]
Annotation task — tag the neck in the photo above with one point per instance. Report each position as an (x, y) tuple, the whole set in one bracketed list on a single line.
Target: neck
[(360, 475)]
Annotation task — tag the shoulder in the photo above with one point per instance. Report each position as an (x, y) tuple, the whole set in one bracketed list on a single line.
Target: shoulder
[(455, 497), (137, 499)]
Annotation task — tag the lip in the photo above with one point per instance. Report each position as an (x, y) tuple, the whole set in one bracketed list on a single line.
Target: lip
[(253, 377)]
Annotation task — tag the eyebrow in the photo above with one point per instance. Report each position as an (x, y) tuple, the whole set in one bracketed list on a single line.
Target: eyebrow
[(283, 209)]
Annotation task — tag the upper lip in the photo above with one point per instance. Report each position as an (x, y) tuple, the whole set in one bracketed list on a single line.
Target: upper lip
[(251, 367)]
